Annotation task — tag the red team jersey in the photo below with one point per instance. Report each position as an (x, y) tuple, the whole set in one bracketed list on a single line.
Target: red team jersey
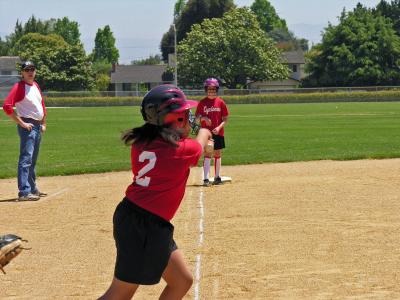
[(215, 110), (153, 187)]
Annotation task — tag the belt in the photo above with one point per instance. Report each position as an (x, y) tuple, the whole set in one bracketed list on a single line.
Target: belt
[(32, 121)]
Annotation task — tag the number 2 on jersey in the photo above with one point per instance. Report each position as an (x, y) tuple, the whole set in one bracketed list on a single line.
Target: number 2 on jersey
[(141, 178)]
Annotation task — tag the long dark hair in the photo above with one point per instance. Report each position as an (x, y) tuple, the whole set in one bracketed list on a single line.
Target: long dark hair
[(149, 132)]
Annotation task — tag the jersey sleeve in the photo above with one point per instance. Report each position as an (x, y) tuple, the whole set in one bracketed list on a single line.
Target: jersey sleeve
[(191, 151), (13, 97)]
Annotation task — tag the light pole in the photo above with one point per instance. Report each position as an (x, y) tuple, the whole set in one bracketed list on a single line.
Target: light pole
[(176, 57)]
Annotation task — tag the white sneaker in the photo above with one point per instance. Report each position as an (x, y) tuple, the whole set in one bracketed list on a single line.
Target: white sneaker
[(29, 197), (39, 193)]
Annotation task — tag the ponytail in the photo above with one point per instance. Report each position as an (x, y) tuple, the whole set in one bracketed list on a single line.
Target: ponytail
[(149, 132)]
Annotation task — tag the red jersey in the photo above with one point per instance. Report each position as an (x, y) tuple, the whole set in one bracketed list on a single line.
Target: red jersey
[(160, 175), (215, 110)]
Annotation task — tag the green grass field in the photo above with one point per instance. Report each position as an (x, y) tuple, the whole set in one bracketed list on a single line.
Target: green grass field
[(87, 140)]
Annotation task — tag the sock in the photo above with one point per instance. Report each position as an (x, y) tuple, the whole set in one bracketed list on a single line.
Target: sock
[(217, 166), (206, 166)]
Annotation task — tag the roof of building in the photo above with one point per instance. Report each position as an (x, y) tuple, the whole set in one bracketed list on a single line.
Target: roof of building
[(137, 73), (294, 57), (9, 62)]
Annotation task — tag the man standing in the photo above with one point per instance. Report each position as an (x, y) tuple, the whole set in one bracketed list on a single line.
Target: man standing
[(30, 117)]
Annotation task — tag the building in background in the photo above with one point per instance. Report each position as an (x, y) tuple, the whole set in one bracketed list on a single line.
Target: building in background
[(296, 62), (9, 74), (136, 78)]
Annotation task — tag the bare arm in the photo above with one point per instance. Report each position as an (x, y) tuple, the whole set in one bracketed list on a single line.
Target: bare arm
[(203, 136), (217, 129), (224, 122), (43, 127)]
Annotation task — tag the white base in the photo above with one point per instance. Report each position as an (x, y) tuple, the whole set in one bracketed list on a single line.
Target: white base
[(223, 178)]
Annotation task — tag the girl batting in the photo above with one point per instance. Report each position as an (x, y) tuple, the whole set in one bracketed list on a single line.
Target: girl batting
[(161, 157)]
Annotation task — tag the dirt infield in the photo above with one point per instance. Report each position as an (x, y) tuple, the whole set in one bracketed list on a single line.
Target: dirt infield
[(314, 230)]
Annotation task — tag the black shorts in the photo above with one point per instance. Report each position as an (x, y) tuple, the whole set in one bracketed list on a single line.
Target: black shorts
[(144, 244), (219, 142)]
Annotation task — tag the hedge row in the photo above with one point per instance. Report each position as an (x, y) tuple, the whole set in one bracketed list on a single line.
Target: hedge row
[(393, 95), (244, 99), (91, 101)]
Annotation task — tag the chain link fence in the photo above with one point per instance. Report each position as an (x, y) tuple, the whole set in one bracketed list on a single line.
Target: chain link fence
[(223, 91)]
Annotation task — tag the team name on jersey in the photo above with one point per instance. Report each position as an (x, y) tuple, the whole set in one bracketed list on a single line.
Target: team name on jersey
[(211, 109)]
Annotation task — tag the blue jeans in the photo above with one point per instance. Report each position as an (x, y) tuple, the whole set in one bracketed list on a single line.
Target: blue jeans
[(28, 154)]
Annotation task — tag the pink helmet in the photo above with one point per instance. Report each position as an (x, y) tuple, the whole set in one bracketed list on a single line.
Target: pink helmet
[(211, 82)]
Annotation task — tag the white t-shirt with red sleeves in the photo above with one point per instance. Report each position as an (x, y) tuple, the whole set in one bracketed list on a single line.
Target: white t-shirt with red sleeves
[(160, 175), (27, 99), (215, 110)]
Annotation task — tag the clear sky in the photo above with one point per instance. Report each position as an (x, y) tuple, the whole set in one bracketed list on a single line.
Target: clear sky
[(138, 25)]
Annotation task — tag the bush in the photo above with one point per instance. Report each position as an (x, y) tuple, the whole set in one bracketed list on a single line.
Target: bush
[(92, 101)]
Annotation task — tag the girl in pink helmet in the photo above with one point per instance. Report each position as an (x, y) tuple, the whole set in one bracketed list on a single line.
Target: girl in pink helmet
[(213, 115)]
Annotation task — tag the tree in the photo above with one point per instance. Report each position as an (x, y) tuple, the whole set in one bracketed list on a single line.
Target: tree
[(232, 48), (63, 27), (362, 50), (391, 11), (102, 82), (32, 41), (3, 48), (167, 44), (217, 8), (104, 46), (267, 16), (193, 12), (168, 75), (287, 41), (61, 67), (69, 30), (101, 67), (276, 27), (39, 26), (151, 60), (33, 25), (178, 8), (102, 70)]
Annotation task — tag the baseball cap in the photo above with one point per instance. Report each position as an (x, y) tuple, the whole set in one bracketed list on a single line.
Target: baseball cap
[(27, 64)]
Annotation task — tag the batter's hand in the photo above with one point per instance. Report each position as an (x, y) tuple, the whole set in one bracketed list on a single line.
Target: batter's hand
[(42, 128)]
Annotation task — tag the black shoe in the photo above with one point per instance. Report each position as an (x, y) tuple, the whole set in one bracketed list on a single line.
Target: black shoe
[(206, 182), (217, 180)]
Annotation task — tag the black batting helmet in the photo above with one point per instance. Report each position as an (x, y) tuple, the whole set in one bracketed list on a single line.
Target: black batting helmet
[(166, 104)]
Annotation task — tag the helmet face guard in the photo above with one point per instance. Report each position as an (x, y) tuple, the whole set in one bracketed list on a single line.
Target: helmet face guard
[(166, 105), (211, 82), (179, 119)]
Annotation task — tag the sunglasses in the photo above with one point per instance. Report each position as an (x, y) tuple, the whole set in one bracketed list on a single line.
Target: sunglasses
[(29, 70)]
